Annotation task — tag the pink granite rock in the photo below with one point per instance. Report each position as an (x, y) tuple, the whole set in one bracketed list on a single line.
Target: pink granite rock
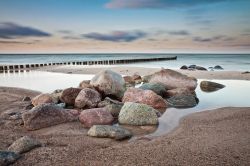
[(88, 98)]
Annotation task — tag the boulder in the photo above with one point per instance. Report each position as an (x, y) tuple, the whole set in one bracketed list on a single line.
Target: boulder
[(69, 95), (88, 98), (129, 80), (218, 67), (184, 67), (137, 114), (24, 144), (179, 92), (108, 101), (209, 86), (85, 84), (145, 97), (191, 67), (7, 157), (95, 116), (106, 131), (109, 83), (200, 68), (114, 109), (146, 78), (137, 78), (184, 101), (172, 79), (43, 98), (158, 88), (46, 115)]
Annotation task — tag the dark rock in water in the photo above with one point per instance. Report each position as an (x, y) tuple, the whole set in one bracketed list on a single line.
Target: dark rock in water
[(185, 101), (209, 86), (246, 72), (192, 66), (218, 67), (105, 131), (108, 101), (69, 95), (179, 92), (46, 115), (137, 114), (96, 116), (109, 83), (114, 109), (158, 88), (184, 67), (7, 158), (85, 84), (172, 79), (44, 98), (88, 98), (200, 68), (145, 97), (27, 98), (24, 144)]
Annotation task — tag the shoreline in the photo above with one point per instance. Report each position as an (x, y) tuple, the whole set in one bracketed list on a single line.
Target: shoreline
[(129, 70), (213, 130)]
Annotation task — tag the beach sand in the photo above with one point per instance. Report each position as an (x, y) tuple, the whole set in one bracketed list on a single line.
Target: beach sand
[(128, 70), (215, 137)]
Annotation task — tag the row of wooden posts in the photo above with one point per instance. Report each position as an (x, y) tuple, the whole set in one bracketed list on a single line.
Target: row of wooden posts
[(102, 62)]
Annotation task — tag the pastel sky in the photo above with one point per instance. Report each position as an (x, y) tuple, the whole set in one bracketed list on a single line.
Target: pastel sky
[(84, 26)]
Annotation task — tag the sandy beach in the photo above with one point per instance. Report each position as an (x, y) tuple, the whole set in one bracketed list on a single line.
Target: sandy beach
[(215, 137), (128, 70)]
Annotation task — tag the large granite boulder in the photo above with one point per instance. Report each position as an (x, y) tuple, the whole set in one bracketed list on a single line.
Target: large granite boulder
[(184, 101), (137, 114), (106, 131), (109, 83), (158, 88), (46, 115), (179, 92), (44, 98), (7, 157), (172, 79), (209, 86), (24, 144), (95, 116), (145, 97), (88, 98), (69, 95)]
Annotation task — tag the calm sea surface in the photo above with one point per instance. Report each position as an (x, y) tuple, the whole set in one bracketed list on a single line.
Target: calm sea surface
[(239, 62)]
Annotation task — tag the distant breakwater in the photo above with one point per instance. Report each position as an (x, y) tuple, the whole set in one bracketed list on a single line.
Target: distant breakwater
[(21, 67)]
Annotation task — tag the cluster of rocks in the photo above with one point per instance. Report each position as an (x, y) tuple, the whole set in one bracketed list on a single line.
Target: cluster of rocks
[(196, 67)]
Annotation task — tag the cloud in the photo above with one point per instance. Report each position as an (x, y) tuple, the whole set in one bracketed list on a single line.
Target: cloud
[(117, 36), (211, 39), (134, 4), (11, 30), (179, 33), (65, 31), (14, 42)]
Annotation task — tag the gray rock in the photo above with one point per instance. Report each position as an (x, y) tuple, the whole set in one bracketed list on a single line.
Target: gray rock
[(158, 88), (108, 101), (109, 83), (106, 131), (24, 144), (184, 101), (209, 86), (218, 67), (114, 109), (184, 67), (137, 114), (61, 105), (69, 95), (7, 158), (46, 115), (200, 68)]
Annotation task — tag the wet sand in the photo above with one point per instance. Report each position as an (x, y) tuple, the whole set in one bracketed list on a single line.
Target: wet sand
[(128, 70), (216, 137)]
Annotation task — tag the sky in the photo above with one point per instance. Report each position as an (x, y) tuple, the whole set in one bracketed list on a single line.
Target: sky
[(124, 26)]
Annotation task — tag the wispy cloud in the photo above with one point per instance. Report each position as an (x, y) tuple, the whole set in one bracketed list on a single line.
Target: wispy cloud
[(179, 33), (117, 36), (11, 30), (212, 39), (157, 3)]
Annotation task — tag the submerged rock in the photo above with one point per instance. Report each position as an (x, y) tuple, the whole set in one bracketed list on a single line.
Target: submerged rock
[(106, 131), (184, 67), (46, 115), (24, 144), (200, 68), (95, 116), (44, 98), (145, 97), (172, 79), (209, 86), (158, 88), (7, 157), (137, 114), (88, 98), (184, 101), (218, 67), (109, 83), (69, 95)]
